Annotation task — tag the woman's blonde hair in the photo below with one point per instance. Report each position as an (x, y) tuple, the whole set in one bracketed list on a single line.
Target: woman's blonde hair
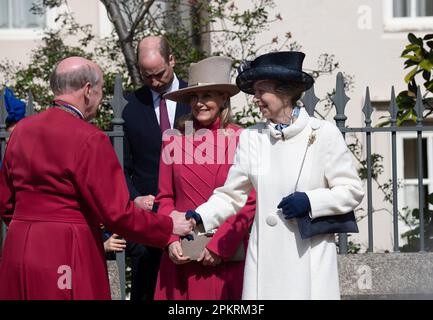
[(226, 116)]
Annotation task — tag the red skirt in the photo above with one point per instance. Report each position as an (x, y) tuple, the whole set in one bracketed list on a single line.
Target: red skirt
[(193, 281), (53, 260)]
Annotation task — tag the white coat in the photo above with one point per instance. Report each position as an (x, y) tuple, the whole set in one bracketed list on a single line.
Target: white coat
[(279, 264)]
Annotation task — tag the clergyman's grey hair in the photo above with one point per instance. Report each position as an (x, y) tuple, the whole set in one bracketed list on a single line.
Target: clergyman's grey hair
[(67, 82)]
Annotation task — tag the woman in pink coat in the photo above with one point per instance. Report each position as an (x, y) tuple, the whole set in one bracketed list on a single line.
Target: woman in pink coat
[(192, 166)]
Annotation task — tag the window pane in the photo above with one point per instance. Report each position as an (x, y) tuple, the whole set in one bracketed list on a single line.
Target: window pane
[(424, 8), (410, 158), (401, 8), (411, 196), (23, 18), (4, 19)]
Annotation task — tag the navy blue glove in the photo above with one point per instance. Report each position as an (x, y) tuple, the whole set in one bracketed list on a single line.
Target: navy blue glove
[(188, 237), (295, 205), (196, 216)]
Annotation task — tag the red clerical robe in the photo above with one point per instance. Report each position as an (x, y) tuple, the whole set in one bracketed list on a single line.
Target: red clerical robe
[(61, 180), (187, 184)]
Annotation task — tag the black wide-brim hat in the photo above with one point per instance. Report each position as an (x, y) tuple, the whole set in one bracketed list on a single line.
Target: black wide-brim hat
[(281, 66)]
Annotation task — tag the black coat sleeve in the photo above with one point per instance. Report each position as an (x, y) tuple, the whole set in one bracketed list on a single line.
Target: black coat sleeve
[(128, 167)]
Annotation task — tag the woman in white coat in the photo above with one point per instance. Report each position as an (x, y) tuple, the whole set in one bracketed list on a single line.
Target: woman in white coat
[(300, 167)]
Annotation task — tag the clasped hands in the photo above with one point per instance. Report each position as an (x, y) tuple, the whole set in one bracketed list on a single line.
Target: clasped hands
[(207, 257), (175, 252), (295, 205), (182, 225)]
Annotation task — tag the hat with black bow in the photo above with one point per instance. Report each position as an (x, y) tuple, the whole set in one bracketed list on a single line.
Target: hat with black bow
[(282, 66)]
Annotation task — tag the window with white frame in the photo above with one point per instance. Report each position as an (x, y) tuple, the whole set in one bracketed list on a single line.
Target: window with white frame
[(16, 14), (408, 15), (408, 171), (412, 8)]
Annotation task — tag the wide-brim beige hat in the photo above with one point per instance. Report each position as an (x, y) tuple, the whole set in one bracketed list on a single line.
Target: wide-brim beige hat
[(210, 74)]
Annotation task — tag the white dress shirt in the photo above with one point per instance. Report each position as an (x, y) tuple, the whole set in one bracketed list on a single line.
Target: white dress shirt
[(171, 105)]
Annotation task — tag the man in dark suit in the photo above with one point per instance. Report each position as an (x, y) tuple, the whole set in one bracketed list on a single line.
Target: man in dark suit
[(146, 116)]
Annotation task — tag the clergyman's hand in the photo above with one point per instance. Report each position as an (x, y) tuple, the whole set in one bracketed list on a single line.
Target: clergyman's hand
[(181, 225), (114, 244), (144, 202)]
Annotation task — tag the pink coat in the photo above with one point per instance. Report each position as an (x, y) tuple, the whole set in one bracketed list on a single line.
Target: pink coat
[(186, 186)]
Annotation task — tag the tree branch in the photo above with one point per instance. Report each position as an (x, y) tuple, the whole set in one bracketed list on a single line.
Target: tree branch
[(128, 51), (144, 10)]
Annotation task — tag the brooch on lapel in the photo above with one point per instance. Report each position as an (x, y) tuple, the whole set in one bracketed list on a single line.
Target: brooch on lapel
[(311, 139)]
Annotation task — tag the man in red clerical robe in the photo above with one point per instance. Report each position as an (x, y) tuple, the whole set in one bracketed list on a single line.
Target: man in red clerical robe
[(59, 181)]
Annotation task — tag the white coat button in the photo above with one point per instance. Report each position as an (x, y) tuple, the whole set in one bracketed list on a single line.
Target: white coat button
[(315, 125), (271, 221)]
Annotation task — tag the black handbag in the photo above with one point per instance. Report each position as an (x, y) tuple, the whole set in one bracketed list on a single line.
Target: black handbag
[(341, 223)]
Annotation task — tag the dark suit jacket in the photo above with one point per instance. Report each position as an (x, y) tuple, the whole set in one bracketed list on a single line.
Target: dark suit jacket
[(143, 141)]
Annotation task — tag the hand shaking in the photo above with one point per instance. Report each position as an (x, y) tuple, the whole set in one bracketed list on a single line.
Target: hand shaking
[(181, 225)]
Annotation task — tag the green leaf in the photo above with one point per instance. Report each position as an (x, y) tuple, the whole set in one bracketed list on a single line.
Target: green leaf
[(426, 65), (429, 56), (413, 87), (415, 40), (413, 58), (430, 198), (412, 38), (407, 115), (415, 213), (405, 51), (384, 123), (410, 63), (428, 36), (412, 47), (404, 101), (410, 75), (428, 101), (429, 85)]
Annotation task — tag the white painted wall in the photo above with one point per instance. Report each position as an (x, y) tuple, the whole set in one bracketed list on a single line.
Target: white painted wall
[(16, 45)]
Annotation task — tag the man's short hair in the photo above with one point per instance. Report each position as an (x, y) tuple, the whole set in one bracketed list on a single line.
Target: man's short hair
[(164, 50), (70, 81)]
